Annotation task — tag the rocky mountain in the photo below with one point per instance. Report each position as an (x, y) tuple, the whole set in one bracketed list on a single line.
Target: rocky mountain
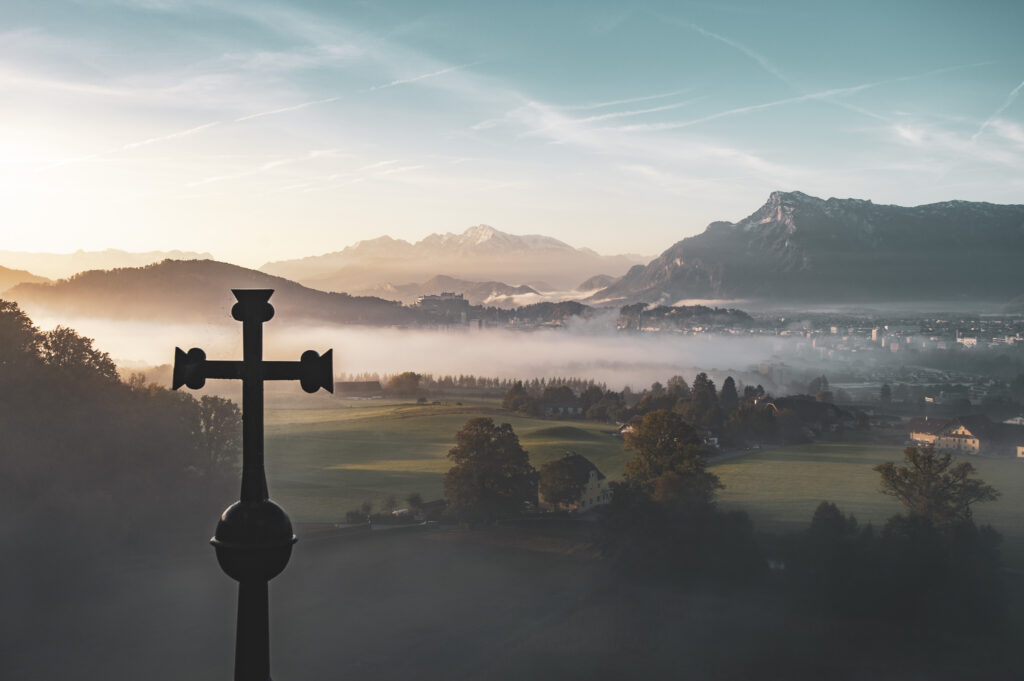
[(802, 248), (481, 253), (9, 278), (196, 291), (597, 282), (59, 265), (486, 293)]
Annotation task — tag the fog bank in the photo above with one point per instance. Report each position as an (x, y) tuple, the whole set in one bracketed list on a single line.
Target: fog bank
[(587, 350)]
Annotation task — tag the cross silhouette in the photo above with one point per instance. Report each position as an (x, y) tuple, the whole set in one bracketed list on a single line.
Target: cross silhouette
[(254, 536)]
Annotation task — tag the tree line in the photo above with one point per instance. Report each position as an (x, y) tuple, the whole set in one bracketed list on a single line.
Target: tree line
[(90, 462)]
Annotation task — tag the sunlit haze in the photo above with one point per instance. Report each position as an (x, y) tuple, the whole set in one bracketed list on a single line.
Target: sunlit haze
[(261, 131)]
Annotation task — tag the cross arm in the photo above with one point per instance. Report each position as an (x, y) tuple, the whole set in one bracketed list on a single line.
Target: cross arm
[(192, 369), (313, 371)]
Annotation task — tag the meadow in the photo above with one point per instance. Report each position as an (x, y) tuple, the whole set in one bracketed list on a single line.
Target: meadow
[(326, 457)]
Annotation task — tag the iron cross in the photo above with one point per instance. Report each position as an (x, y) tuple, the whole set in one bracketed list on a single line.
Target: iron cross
[(312, 370), (254, 535)]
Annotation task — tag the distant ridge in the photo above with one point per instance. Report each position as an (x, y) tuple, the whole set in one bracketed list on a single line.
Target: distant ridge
[(196, 291), (9, 278), (61, 265), (802, 248), (481, 253), (487, 293)]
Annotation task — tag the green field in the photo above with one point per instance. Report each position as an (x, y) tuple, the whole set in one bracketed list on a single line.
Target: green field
[(325, 461), (325, 458), (780, 488)]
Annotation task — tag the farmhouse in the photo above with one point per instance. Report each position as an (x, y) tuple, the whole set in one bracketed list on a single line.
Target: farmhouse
[(974, 434), (923, 431), (595, 490)]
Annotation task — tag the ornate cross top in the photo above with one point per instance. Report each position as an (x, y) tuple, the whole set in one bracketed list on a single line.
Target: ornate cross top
[(312, 370), (254, 536)]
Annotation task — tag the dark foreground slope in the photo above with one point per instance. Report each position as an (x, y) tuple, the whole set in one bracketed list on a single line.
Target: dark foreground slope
[(801, 248), (458, 605), (195, 291)]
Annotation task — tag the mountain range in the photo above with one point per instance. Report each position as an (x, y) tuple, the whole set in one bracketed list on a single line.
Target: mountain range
[(799, 248), (60, 265), (480, 254)]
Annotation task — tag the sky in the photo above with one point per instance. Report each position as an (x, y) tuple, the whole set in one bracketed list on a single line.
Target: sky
[(263, 131)]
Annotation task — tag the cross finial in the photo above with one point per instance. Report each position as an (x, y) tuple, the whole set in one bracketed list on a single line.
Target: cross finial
[(254, 536)]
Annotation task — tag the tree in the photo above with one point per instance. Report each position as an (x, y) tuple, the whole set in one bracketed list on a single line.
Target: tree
[(390, 503), (405, 384), (562, 481), (931, 487), (678, 387), (491, 476), (219, 435), (664, 445), (885, 394), (415, 501), (517, 399), (728, 399), (19, 338), (65, 349)]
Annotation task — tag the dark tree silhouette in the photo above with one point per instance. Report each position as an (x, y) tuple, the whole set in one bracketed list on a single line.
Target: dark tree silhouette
[(930, 486), (561, 481), (491, 476), (668, 460), (728, 399)]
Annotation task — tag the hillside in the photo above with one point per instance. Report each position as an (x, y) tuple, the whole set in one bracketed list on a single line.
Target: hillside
[(60, 265), (481, 253), (9, 278), (801, 248), (196, 291)]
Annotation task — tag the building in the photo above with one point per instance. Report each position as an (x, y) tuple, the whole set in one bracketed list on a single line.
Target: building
[(358, 389), (448, 307), (974, 434), (924, 431), (595, 491)]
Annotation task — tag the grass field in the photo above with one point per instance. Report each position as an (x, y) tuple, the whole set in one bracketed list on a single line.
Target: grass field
[(325, 461), (325, 458), (780, 488)]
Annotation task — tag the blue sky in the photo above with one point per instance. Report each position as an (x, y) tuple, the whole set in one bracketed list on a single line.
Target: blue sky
[(260, 131)]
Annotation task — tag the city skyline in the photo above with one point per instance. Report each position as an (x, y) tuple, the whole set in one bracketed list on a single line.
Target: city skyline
[(274, 131)]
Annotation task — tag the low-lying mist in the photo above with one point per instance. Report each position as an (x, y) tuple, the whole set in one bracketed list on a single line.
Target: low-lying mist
[(584, 349)]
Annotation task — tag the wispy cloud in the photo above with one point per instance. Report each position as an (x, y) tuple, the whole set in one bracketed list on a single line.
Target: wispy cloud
[(824, 94), (831, 95), (423, 76), (756, 56), (619, 102), (636, 112), (128, 147), (267, 166), (958, 147), (998, 112), (286, 109), (172, 136)]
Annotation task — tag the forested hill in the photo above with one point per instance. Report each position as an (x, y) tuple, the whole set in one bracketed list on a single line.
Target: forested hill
[(802, 248), (196, 291), (9, 278)]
